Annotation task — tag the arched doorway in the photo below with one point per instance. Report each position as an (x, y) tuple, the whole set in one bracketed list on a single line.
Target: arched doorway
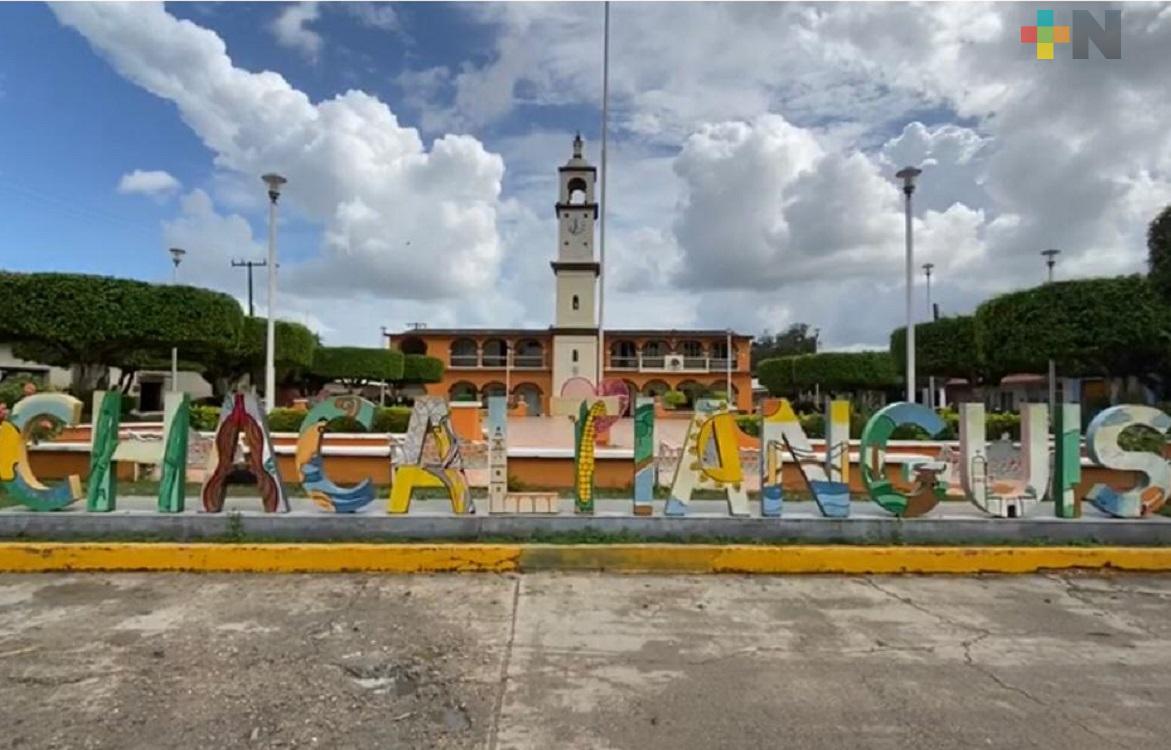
[(530, 354), (412, 345), (462, 391), (495, 352), (464, 353), (655, 388), (531, 395), (491, 389)]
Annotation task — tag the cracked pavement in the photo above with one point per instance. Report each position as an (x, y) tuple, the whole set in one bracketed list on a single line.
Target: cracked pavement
[(584, 661)]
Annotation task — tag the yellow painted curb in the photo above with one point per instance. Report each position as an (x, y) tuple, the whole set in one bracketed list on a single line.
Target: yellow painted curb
[(634, 558)]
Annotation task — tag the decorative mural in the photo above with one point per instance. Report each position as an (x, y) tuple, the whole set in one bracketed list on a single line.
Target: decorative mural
[(927, 487), (15, 472), (242, 415), (710, 460), (644, 458), (430, 423), (309, 461), (1001, 479), (1067, 464), (1102, 445)]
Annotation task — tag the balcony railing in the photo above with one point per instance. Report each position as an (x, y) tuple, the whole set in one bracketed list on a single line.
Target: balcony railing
[(497, 361), (670, 363)]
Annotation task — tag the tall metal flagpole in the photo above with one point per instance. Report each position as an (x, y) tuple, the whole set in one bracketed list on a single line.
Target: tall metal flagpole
[(605, 195)]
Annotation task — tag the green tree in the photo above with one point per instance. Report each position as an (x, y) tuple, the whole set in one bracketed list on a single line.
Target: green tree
[(355, 366), (831, 371), (245, 354), (798, 338), (943, 348), (1159, 253), (91, 323), (1090, 327)]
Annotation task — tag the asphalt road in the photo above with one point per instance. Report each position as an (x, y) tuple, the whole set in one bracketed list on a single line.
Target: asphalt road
[(584, 661)]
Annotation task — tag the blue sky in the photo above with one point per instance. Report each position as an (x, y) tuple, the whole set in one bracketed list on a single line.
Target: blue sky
[(751, 182)]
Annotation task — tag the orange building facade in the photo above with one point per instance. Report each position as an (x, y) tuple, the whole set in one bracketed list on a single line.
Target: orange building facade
[(518, 362)]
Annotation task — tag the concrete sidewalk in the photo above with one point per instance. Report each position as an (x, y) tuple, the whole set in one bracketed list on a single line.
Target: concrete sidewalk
[(584, 661)]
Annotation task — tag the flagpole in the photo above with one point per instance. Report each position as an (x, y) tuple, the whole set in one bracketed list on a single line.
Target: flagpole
[(605, 197)]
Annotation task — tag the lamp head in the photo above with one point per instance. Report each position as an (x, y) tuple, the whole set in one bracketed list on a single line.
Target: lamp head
[(908, 175), (177, 254), (274, 182)]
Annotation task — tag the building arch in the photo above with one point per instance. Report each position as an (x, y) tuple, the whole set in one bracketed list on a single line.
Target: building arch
[(529, 353), (464, 353), (532, 395), (693, 390), (692, 349), (412, 345), (462, 391), (654, 388), (488, 390), (577, 189), (624, 355), (494, 353)]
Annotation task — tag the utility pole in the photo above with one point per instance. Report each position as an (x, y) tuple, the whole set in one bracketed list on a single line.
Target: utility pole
[(249, 264), (605, 198), (927, 268)]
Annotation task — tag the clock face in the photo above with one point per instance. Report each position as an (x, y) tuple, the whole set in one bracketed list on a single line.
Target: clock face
[(576, 225)]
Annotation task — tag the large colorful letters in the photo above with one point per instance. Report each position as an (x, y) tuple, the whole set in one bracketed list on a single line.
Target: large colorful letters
[(1067, 464), (927, 489), (781, 433), (15, 472), (1102, 445), (430, 418), (585, 447), (1000, 479), (241, 413), (310, 464), (710, 460), (644, 458), (170, 452)]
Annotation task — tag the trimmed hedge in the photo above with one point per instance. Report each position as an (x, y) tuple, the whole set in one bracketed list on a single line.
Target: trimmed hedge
[(295, 344), (357, 364), (944, 348), (1089, 327), (388, 419), (833, 371), (419, 368)]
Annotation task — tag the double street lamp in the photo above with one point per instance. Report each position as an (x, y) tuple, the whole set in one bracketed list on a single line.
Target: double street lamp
[(274, 182)]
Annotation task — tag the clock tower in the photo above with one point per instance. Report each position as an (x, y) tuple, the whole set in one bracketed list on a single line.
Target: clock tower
[(575, 326)]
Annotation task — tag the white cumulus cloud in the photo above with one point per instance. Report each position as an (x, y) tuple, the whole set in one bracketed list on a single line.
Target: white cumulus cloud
[(291, 29), (153, 183), (399, 219)]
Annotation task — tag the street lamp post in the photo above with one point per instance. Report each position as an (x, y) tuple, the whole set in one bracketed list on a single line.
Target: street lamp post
[(1050, 256), (908, 175), (274, 183), (728, 369), (177, 254), (1050, 260), (927, 268)]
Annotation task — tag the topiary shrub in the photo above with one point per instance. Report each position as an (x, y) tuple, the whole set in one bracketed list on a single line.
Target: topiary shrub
[(674, 399)]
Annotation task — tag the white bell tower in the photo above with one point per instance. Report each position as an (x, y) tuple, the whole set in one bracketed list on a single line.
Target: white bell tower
[(575, 326)]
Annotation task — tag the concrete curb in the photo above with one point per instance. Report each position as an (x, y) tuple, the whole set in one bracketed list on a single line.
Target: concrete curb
[(500, 558), (315, 526)]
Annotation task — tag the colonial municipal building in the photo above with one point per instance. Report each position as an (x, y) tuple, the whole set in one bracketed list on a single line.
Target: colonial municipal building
[(533, 364)]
